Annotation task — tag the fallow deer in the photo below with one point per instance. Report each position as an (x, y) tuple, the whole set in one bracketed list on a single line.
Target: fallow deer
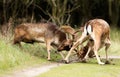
[(40, 32), (97, 30)]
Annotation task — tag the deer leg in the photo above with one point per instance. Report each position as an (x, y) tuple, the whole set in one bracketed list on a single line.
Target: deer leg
[(48, 48), (86, 56), (17, 41), (80, 41), (96, 47), (98, 59), (107, 44), (69, 53)]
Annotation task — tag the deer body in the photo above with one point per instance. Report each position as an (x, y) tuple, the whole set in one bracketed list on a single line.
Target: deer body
[(99, 31), (41, 32)]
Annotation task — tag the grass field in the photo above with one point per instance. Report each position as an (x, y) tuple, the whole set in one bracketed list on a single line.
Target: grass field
[(12, 57), (91, 69)]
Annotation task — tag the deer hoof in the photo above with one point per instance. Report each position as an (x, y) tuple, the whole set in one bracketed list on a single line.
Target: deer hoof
[(66, 62), (101, 63), (49, 59), (107, 62), (84, 61)]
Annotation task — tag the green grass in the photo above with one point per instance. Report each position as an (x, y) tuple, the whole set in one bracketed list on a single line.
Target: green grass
[(91, 69), (12, 57), (115, 35), (39, 50)]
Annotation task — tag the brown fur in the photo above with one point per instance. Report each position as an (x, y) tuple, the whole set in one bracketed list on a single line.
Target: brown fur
[(68, 29), (66, 45), (71, 33), (41, 32), (83, 51), (99, 31)]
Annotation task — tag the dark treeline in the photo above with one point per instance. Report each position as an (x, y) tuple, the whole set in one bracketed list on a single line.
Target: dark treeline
[(72, 12)]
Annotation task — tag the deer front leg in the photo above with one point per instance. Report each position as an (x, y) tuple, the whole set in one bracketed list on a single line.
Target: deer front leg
[(69, 53), (48, 49), (86, 56), (79, 41)]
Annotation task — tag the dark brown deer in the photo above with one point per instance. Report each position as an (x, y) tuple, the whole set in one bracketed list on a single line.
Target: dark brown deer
[(40, 32), (97, 30)]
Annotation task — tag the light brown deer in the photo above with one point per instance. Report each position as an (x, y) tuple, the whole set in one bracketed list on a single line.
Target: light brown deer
[(48, 33), (97, 30)]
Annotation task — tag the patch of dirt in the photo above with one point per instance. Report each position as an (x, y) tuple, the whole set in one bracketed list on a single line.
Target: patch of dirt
[(33, 71)]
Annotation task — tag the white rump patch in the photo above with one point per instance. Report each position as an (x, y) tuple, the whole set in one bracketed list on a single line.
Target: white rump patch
[(85, 31), (89, 29)]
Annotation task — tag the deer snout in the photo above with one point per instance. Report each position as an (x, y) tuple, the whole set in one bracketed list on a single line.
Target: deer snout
[(65, 46)]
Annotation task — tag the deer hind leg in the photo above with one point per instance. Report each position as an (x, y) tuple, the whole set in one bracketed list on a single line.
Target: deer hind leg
[(107, 45), (96, 47)]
